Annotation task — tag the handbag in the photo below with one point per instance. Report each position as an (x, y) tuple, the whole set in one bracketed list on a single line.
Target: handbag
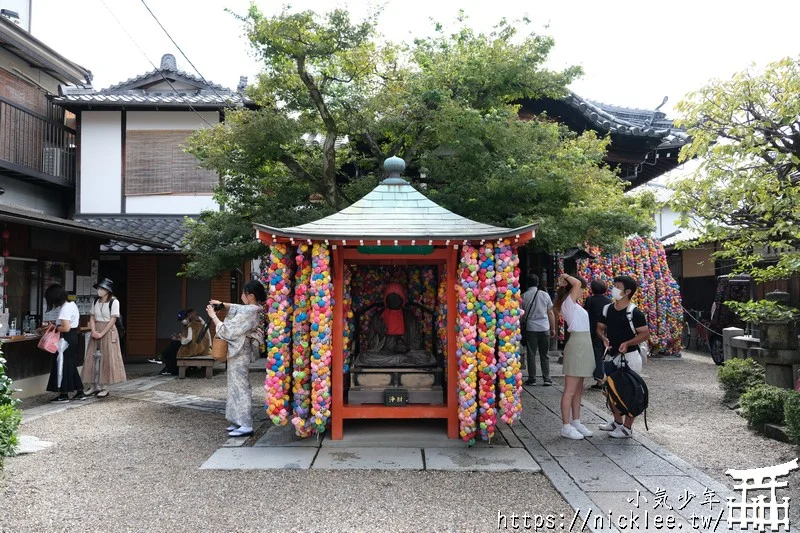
[(528, 310), (219, 349), (49, 341)]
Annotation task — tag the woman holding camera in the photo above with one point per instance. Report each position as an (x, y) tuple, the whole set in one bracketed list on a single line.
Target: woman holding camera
[(241, 330)]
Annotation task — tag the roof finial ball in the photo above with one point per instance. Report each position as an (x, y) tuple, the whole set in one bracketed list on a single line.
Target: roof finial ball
[(394, 166)]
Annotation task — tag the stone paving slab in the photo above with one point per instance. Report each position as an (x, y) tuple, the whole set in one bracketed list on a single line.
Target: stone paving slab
[(563, 483), (260, 458), (353, 458), (638, 460), (279, 436), (616, 504), (597, 473), (480, 460), (30, 444), (414, 434)]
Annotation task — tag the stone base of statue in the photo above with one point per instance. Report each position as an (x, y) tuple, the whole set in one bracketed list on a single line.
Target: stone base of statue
[(367, 385)]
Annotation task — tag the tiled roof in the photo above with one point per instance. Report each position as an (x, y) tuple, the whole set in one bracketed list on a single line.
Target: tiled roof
[(628, 121), (79, 227), (394, 210), (148, 90), (146, 99), (166, 230)]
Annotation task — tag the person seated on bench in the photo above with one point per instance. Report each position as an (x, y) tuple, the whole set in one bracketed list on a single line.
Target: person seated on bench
[(190, 343)]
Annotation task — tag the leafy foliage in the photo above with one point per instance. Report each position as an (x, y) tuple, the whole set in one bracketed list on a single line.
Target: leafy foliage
[(738, 375), (791, 415), (746, 192), (445, 104), (763, 311), (10, 416), (764, 404)]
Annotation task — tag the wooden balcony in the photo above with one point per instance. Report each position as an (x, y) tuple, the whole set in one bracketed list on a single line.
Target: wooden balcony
[(36, 148)]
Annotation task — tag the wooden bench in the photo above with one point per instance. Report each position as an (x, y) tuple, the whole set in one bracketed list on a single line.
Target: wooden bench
[(201, 361)]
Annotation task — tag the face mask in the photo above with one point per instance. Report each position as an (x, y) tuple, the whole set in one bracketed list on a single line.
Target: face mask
[(101, 292), (185, 322), (616, 294)]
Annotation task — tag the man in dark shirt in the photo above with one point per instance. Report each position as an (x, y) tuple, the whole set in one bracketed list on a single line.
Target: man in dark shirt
[(615, 331), (594, 305)]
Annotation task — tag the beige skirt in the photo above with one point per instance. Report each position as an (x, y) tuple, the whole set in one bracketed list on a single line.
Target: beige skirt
[(579, 355), (112, 369)]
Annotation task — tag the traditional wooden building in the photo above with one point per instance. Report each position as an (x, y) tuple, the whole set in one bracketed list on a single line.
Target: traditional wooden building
[(135, 177)]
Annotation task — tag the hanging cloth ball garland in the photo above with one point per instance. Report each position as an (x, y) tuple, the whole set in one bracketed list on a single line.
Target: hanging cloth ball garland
[(441, 316), (347, 315), (487, 369), (301, 343), (658, 296), (321, 321), (279, 296), (467, 349), (509, 333)]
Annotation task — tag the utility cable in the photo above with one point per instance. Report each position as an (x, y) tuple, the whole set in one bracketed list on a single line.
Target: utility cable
[(224, 100), (154, 65)]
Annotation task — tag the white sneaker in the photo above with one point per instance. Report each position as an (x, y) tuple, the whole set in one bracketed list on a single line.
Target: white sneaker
[(609, 426), (569, 432), (621, 432), (586, 432)]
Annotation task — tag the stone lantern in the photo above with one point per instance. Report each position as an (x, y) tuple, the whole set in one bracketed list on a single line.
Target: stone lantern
[(778, 350)]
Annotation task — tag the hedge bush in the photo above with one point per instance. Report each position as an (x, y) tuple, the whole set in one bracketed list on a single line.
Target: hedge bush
[(791, 416), (10, 416), (738, 375), (764, 404)]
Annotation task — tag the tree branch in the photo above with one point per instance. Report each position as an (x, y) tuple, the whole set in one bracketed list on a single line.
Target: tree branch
[(315, 94)]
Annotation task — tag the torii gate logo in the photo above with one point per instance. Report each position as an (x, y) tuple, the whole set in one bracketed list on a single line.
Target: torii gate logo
[(756, 511)]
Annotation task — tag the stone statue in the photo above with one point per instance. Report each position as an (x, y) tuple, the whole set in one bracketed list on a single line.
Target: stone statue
[(395, 336)]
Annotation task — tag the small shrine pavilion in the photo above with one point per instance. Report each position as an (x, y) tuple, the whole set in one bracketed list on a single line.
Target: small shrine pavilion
[(393, 307)]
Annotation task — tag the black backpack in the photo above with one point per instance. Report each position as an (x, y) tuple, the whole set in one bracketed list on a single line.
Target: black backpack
[(119, 323), (627, 391)]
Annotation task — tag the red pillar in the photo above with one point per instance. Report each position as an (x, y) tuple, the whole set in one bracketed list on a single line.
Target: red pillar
[(337, 364), (452, 361)]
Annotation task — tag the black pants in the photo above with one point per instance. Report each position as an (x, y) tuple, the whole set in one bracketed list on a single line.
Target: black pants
[(170, 357), (538, 340), (599, 352), (70, 377)]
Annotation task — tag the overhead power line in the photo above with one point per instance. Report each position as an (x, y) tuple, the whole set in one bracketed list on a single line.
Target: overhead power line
[(154, 65), (181, 50)]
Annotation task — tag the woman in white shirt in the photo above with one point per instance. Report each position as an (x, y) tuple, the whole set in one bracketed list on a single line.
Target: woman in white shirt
[(578, 355), (103, 364), (64, 376)]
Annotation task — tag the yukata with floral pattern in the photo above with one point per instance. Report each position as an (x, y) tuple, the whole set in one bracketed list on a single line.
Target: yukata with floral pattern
[(240, 329)]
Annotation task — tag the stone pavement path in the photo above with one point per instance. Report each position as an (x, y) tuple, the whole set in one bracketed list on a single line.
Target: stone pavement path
[(610, 477)]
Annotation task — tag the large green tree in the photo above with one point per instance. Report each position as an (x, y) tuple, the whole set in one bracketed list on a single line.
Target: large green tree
[(445, 104), (745, 194)]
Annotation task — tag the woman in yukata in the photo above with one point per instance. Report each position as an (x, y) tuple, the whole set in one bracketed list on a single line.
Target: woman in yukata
[(241, 329)]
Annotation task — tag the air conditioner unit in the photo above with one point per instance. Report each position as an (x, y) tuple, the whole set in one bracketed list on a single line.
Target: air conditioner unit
[(53, 161)]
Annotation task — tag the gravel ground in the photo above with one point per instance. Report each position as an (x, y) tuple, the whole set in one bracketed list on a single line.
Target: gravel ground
[(215, 388), (124, 465)]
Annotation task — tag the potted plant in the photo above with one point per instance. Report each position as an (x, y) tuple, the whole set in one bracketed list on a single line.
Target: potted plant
[(776, 321)]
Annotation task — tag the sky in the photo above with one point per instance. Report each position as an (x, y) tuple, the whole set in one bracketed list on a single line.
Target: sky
[(633, 52)]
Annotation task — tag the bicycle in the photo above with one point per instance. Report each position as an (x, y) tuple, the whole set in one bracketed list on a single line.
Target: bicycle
[(706, 339)]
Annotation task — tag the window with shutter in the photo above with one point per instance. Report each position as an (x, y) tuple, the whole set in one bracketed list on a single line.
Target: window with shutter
[(156, 163)]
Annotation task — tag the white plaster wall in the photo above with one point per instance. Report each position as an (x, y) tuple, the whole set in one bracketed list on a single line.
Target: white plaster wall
[(168, 204), (666, 222), (101, 162), (169, 120)]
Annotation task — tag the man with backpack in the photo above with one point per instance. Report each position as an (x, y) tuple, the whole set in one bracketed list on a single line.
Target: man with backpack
[(540, 326), (621, 328)]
